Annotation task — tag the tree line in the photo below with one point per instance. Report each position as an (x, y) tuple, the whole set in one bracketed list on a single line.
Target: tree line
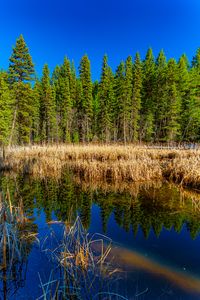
[(150, 100)]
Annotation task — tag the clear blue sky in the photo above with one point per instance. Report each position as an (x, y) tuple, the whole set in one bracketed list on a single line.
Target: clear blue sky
[(55, 28)]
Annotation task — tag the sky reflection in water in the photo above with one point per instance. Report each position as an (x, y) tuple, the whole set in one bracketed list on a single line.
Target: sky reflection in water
[(155, 232)]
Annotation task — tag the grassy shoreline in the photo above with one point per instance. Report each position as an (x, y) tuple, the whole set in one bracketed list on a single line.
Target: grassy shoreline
[(107, 163)]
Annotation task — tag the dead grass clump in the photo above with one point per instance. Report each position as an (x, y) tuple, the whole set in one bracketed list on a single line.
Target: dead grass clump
[(185, 171), (126, 171), (109, 163), (85, 264)]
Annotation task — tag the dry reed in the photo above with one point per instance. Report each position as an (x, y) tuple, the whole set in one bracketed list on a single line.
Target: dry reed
[(85, 265), (108, 163)]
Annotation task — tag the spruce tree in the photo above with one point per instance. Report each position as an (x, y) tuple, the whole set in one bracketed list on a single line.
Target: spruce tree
[(105, 102), (119, 86), (148, 98), (64, 101), (172, 95), (96, 110), (136, 97), (160, 100), (6, 110), (127, 104), (86, 107), (21, 70), (192, 131), (184, 88), (24, 92), (78, 117), (36, 113), (48, 128), (21, 67)]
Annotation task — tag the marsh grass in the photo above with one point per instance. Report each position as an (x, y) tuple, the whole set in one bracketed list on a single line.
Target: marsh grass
[(107, 163), (14, 243), (85, 264)]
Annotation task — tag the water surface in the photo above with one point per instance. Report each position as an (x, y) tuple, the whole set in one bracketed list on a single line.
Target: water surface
[(154, 228)]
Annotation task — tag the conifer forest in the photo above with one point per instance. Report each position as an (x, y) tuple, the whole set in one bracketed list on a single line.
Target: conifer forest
[(150, 100)]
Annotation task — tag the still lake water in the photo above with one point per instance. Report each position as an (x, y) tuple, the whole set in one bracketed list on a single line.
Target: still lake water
[(154, 228)]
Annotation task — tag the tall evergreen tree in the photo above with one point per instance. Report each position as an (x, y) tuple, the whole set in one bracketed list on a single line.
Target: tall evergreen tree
[(86, 107), (127, 103), (184, 89), (78, 117), (6, 109), (148, 97), (160, 100), (36, 113), (21, 70), (119, 87), (21, 67), (47, 108), (96, 110), (64, 101), (105, 97), (136, 97), (172, 126), (192, 130)]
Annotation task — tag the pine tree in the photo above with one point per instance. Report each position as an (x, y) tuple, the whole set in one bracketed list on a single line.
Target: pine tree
[(160, 100), (193, 126), (105, 101), (21, 70), (127, 104), (136, 97), (148, 97), (64, 101), (6, 109), (72, 83), (77, 121), (36, 113), (96, 110), (47, 108), (119, 99), (21, 67), (172, 126), (86, 109), (24, 92), (184, 88)]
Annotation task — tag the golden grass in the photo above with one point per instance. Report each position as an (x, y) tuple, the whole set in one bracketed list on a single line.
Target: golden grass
[(108, 163)]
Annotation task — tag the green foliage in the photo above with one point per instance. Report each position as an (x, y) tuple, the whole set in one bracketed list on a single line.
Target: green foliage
[(172, 126), (119, 86), (150, 100), (21, 70), (25, 106), (105, 98), (136, 97), (86, 103), (160, 100), (48, 127), (6, 109), (148, 97), (21, 67), (64, 102)]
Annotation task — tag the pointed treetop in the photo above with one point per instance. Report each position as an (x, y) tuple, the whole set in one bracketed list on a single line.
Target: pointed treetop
[(161, 59), (21, 67)]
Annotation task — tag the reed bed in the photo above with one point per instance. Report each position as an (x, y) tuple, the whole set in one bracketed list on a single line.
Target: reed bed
[(108, 163), (85, 265), (15, 241)]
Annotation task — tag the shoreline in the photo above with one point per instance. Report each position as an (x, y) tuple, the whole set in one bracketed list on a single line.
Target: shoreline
[(106, 163)]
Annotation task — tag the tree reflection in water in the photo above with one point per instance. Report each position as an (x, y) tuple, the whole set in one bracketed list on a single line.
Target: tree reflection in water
[(16, 237), (150, 206)]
